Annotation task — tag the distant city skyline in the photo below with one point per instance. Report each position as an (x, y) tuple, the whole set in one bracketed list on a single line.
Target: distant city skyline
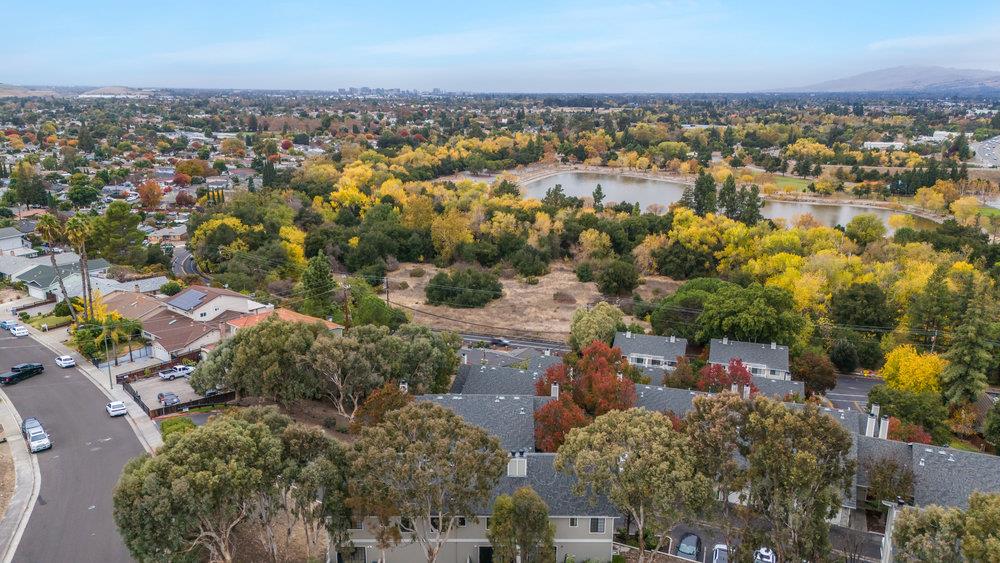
[(517, 46)]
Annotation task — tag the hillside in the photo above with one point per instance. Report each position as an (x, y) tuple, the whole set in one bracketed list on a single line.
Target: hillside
[(930, 79), (12, 91)]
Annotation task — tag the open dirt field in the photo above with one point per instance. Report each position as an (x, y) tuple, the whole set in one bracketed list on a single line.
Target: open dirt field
[(524, 310)]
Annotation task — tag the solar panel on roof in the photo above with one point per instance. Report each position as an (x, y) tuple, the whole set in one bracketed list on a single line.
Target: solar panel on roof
[(187, 300)]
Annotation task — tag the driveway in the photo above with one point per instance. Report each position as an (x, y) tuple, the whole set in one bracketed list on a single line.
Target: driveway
[(72, 518), (852, 391)]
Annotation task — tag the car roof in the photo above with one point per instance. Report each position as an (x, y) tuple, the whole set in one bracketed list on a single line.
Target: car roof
[(117, 403)]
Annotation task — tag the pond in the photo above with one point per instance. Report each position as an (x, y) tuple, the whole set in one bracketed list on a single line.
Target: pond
[(661, 192)]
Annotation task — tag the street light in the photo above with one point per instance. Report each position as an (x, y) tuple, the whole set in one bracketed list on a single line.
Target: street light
[(107, 357)]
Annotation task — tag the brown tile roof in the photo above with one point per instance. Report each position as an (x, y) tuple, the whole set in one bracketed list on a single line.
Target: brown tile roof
[(133, 305), (283, 314)]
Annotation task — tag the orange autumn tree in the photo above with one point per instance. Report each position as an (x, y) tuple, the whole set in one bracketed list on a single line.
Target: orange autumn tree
[(150, 193)]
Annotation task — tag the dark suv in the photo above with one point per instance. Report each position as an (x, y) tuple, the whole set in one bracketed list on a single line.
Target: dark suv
[(20, 372)]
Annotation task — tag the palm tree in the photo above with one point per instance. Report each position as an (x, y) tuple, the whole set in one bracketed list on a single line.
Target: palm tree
[(51, 231), (77, 231)]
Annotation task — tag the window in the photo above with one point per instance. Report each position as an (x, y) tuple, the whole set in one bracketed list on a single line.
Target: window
[(655, 362), (573, 522), (202, 314), (405, 525), (435, 523), (461, 521), (357, 523), (672, 363), (597, 525), (486, 522)]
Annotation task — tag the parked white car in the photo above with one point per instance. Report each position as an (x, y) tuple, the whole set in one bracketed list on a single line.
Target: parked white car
[(116, 408), (65, 361), (174, 372), (19, 330)]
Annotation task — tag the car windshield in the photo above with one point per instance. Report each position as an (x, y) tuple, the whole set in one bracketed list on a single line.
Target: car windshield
[(686, 547), (37, 435)]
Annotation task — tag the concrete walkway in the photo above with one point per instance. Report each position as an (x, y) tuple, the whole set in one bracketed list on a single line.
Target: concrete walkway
[(145, 429)]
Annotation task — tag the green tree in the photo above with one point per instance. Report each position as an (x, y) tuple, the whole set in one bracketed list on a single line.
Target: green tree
[(844, 355), (598, 196), (703, 196), (924, 409), (755, 313), (350, 369), (933, 309), (639, 462), (595, 323), (620, 277), (519, 525), (424, 462), (51, 231), (729, 198), (116, 236), (862, 305), (463, 288), (981, 541), (816, 371), (749, 205), (865, 229), (970, 356), (193, 493), (991, 426), (317, 287), (928, 534)]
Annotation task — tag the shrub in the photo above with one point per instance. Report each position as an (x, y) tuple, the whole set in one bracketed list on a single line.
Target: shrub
[(176, 425), (563, 297), (417, 273), (529, 262), (844, 355), (618, 278), (62, 309), (23, 316), (585, 272), (463, 288), (172, 287)]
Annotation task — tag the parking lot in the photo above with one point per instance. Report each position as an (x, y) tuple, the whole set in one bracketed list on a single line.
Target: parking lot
[(148, 389)]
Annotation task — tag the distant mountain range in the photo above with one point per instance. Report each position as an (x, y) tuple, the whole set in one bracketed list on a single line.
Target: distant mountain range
[(925, 79), (11, 91)]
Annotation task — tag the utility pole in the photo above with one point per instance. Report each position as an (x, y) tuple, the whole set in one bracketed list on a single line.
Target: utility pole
[(107, 357), (347, 306)]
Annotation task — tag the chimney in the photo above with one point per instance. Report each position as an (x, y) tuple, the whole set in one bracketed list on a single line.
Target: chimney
[(517, 466), (735, 388), (628, 334), (465, 358), (883, 429), (673, 339), (136, 286), (620, 377), (875, 409), (746, 392), (554, 390), (548, 352), (725, 340), (404, 387), (774, 345), (870, 425)]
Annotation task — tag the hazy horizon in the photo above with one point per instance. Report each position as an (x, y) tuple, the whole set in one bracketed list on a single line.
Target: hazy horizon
[(561, 47)]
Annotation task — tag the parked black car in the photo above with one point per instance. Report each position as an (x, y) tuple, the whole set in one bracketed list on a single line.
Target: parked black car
[(20, 372)]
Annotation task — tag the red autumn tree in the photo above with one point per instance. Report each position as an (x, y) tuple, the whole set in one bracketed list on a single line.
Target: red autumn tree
[(600, 383), (182, 179), (907, 432), (558, 373), (382, 401), (286, 144), (714, 378), (554, 421)]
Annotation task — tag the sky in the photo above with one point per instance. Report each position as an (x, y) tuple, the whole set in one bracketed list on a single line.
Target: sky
[(497, 46)]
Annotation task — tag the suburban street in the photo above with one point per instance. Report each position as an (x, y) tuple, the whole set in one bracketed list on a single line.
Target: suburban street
[(852, 391), (182, 263), (72, 517)]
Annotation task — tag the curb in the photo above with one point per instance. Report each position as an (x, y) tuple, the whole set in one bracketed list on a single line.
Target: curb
[(22, 502), (86, 369)]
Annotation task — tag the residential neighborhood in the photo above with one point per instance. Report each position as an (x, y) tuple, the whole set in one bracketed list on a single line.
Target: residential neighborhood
[(635, 283)]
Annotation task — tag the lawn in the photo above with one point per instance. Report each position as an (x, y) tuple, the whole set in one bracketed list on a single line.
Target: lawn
[(51, 320), (988, 211), (960, 444), (786, 181)]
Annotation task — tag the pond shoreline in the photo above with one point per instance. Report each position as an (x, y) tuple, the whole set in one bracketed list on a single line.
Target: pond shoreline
[(537, 173)]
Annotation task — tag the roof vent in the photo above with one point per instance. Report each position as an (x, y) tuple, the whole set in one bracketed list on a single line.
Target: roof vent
[(673, 339), (628, 334), (725, 340), (774, 345), (517, 467)]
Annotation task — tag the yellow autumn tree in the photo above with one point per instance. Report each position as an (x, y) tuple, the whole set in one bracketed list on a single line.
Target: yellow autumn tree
[(966, 210), (594, 244), (909, 370), (448, 231)]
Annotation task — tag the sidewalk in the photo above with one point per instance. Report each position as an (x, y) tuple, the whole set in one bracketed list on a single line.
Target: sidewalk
[(27, 481), (145, 429)]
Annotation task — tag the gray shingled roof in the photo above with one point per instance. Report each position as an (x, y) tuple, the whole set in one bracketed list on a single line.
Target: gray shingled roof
[(873, 450), (555, 488), (748, 353), (494, 380), (647, 344), (44, 275), (511, 418), (774, 388), (946, 476), (665, 399)]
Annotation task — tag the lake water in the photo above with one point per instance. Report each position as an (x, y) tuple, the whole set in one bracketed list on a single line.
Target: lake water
[(661, 192)]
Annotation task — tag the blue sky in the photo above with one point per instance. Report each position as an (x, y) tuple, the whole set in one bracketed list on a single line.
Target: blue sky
[(511, 45)]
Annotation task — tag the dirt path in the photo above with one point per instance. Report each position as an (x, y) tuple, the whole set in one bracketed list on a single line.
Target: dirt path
[(6, 476)]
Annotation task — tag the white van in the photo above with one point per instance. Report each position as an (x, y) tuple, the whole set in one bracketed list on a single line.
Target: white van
[(19, 330)]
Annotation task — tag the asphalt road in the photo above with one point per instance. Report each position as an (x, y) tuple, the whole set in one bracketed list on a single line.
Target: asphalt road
[(987, 152), (852, 391), (72, 518), (516, 342), (182, 263)]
